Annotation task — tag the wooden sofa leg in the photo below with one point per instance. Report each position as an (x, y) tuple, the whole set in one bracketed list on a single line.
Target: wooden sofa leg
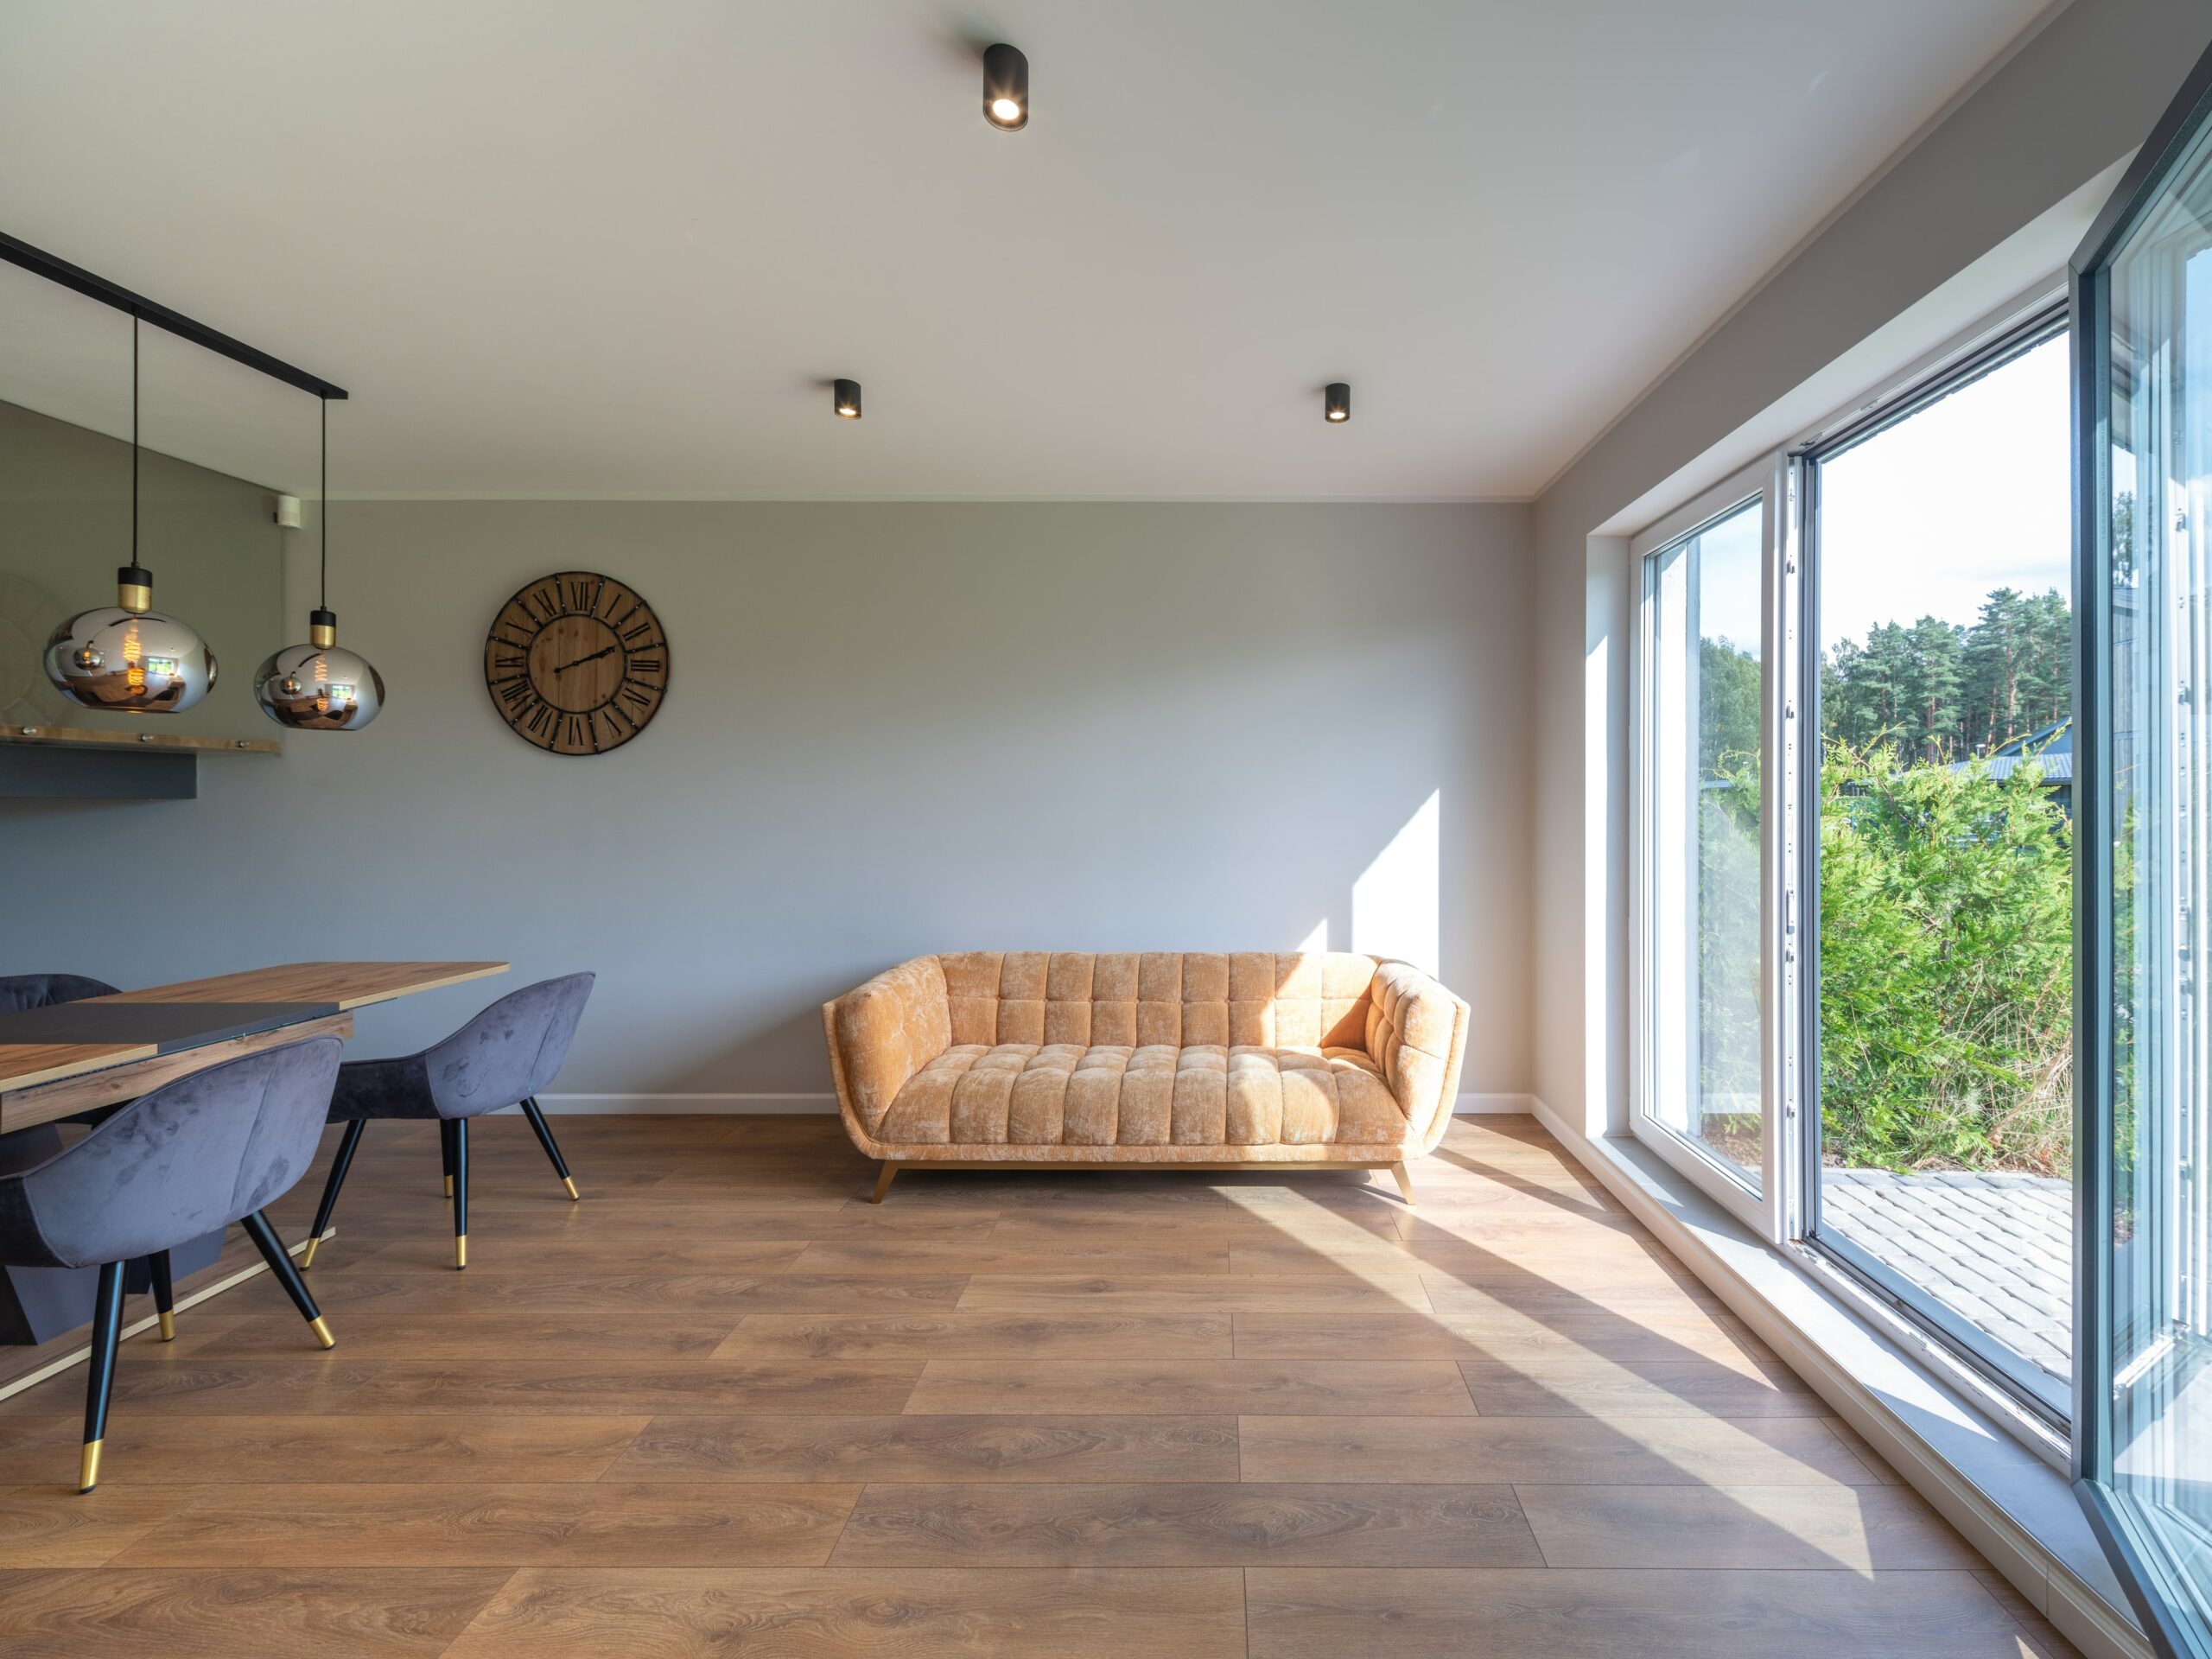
[(1405, 1184), (884, 1178)]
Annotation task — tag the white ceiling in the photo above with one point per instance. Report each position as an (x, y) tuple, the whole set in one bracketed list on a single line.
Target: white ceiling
[(591, 249)]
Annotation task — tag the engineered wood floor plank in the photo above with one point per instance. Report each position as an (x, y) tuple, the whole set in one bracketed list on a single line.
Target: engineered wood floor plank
[(648, 1422), (1079, 1229), (157, 1449), (430, 1251), (461, 1333), (1133, 1525), (1693, 1452), (2039, 1638), (1245, 1388), (332, 1612), (939, 1256), (1867, 1454), (1605, 1389), (1533, 1329), (1562, 1613), (1189, 1613), (1190, 1293), (955, 1335), (1493, 1256), (522, 1387), (1862, 1530), (1069, 1448), (598, 1524), (359, 1289), (146, 1377), (38, 1530)]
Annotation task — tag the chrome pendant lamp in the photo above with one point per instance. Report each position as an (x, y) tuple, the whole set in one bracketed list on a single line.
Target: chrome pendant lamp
[(318, 687), (128, 657)]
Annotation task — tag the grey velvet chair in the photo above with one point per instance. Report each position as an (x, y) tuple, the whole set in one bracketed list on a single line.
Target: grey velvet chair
[(501, 1058), (193, 1155), (21, 991)]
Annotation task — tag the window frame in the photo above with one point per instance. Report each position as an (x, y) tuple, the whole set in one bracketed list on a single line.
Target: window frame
[(2019, 327), (1767, 1208)]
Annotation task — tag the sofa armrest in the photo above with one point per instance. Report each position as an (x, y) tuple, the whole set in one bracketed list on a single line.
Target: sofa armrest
[(1417, 1033), (883, 1032)]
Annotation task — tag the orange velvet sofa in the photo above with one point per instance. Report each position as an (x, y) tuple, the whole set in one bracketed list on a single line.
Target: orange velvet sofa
[(1030, 1058)]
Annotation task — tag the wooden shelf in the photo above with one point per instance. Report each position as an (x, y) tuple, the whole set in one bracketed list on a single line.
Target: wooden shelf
[(86, 737)]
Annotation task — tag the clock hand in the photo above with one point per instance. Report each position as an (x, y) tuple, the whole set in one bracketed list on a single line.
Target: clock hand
[(581, 661)]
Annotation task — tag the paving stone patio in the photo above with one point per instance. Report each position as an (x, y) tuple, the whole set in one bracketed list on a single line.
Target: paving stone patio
[(1996, 1249)]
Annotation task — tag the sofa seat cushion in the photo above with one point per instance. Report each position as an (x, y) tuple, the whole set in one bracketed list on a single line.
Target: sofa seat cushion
[(1115, 1095)]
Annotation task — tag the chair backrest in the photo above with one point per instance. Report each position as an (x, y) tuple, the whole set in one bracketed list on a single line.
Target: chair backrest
[(1314, 999), (193, 1155), (511, 1050), (21, 991)]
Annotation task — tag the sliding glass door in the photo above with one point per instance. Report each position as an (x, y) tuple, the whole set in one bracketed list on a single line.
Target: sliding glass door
[(1704, 693), (2143, 302), (1938, 1165)]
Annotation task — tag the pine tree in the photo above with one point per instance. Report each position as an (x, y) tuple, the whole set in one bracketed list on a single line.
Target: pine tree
[(1935, 679), (1997, 662)]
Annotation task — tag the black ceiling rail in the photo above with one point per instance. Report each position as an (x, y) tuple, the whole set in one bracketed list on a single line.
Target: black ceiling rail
[(54, 269)]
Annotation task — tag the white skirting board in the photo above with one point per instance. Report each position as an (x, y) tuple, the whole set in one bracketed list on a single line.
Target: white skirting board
[(716, 1105)]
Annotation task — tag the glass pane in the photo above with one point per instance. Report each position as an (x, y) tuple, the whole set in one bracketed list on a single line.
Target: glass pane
[(2159, 527), (1704, 882), (1945, 861)]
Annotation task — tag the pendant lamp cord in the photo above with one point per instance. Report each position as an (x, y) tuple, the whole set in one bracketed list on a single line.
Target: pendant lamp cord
[(324, 504), (134, 438)]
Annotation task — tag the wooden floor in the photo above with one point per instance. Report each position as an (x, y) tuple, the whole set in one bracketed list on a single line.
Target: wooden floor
[(726, 1405)]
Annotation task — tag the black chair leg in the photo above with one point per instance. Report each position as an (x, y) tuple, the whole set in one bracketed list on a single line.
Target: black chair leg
[(157, 1269), (445, 1149), (280, 1264), (339, 1165), (99, 1383), (460, 1191), (530, 1109)]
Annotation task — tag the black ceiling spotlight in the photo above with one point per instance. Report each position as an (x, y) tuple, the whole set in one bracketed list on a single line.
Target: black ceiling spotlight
[(1006, 87), (1338, 396), (845, 399)]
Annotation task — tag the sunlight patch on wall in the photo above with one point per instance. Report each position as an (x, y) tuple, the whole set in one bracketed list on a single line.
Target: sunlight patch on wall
[(1318, 940), (1397, 906)]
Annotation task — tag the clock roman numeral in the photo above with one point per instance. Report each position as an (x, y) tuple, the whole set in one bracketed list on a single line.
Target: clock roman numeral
[(644, 665), (632, 691)]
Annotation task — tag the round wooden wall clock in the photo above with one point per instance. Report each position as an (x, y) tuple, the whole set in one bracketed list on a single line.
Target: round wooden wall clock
[(577, 663)]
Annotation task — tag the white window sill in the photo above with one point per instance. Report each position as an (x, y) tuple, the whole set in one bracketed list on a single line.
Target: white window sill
[(2015, 1504)]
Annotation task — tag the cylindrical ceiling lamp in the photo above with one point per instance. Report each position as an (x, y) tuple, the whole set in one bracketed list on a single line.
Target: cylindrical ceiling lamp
[(128, 656), (1006, 88), (318, 687), (845, 399), (1336, 402)]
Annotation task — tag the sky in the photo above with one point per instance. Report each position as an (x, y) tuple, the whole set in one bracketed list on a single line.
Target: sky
[(1971, 494)]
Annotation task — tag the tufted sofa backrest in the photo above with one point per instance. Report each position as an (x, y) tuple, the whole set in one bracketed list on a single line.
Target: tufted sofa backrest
[(1182, 999)]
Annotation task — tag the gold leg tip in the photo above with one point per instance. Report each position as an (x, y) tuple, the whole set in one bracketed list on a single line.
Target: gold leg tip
[(461, 1249), (168, 1326), (307, 1255), (569, 1181), (88, 1469), (322, 1332), (449, 1186)]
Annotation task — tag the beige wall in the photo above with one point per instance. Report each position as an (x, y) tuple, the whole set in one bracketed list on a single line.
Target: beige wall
[(891, 729), (1990, 200)]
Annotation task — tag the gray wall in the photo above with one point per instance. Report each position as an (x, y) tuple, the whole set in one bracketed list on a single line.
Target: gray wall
[(891, 729), (1966, 215)]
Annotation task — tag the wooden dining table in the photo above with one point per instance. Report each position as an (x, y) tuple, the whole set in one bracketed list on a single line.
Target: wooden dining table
[(100, 1051)]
